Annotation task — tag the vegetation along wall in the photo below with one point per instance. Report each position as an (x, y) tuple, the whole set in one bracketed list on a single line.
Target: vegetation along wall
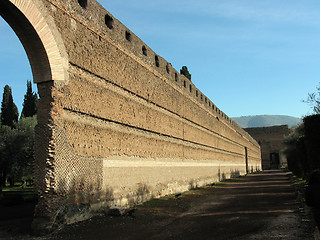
[(117, 124)]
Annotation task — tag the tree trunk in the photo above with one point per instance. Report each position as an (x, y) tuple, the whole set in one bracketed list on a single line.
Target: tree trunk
[(3, 177), (11, 180)]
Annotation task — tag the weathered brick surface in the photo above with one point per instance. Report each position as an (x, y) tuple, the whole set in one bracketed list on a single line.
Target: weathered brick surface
[(116, 126), (271, 142)]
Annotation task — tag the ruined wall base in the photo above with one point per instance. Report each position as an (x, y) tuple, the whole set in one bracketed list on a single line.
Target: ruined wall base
[(82, 206)]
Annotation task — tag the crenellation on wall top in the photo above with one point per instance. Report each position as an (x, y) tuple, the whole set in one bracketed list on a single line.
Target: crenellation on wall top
[(95, 17), (117, 105)]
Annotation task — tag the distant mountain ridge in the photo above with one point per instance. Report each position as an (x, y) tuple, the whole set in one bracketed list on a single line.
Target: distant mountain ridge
[(266, 121)]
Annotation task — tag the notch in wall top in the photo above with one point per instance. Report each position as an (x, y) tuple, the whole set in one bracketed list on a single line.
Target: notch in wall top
[(176, 77), (167, 68), (108, 21), (113, 23), (157, 61), (144, 50), (128, 36), (83, 3)]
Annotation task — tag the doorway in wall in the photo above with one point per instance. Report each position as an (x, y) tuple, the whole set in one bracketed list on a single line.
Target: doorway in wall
[(246, 157), (274, 160)]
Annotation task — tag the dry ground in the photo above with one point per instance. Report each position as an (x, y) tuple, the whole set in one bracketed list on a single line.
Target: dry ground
[(258, 206)]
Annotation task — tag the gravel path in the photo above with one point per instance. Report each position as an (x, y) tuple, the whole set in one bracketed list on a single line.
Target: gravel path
[(258, 206)]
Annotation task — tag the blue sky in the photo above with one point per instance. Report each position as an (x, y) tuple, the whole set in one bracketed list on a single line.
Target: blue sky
[(249, 57)]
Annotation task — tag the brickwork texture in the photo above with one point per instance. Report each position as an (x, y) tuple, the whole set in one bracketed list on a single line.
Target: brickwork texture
[(117, 124), (271, 142)]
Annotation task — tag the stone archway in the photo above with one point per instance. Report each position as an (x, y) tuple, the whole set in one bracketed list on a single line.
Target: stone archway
[(48, 60)]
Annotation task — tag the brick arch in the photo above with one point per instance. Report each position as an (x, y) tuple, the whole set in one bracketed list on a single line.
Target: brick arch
[(39, 37), (44, 47)]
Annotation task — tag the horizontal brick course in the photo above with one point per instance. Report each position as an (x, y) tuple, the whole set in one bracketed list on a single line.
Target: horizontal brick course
[(116, 126)]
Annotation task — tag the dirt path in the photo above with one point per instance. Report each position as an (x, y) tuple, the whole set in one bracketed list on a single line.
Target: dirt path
[(258, 206)]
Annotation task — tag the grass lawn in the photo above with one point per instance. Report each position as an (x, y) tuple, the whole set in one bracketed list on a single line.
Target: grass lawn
[(18, 195)]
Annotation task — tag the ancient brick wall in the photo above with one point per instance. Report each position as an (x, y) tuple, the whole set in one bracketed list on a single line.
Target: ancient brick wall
[(271, 143), (117, 123)]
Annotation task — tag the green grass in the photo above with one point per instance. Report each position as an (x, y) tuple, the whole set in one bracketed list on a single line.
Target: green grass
[(16, 184), (18, 195), (302, 180), (19, 189)]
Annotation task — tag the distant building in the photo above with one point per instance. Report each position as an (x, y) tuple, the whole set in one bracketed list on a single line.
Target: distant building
[(271, 143)]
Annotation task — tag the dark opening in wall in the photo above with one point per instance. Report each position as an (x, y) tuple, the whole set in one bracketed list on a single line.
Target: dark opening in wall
[(83, 3), (144, 51), (190, 88), (109, 21), (128, 36), (201, 97), (197, 93), (176, 77), (167, 68), (157, 61), (209, 104), (184, 84), (212, 106), (205, 99)]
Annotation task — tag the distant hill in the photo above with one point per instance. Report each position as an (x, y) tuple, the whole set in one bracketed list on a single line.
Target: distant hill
[(266, 121)]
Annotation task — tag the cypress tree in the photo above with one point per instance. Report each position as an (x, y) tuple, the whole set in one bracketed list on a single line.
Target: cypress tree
[(9, 110), (30, 102), (184, 71)]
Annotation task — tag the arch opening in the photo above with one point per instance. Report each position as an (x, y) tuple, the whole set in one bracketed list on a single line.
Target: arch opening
[(30, 40), (16, 167), (49, 63), (41, 72)]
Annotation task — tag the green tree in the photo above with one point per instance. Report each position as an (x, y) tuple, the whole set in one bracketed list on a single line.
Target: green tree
[(302, 147), (9, 110), (8, 151), (30, 102), (184, 71), (17, 150), (26, 128), (296, 152), (312, 140)]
